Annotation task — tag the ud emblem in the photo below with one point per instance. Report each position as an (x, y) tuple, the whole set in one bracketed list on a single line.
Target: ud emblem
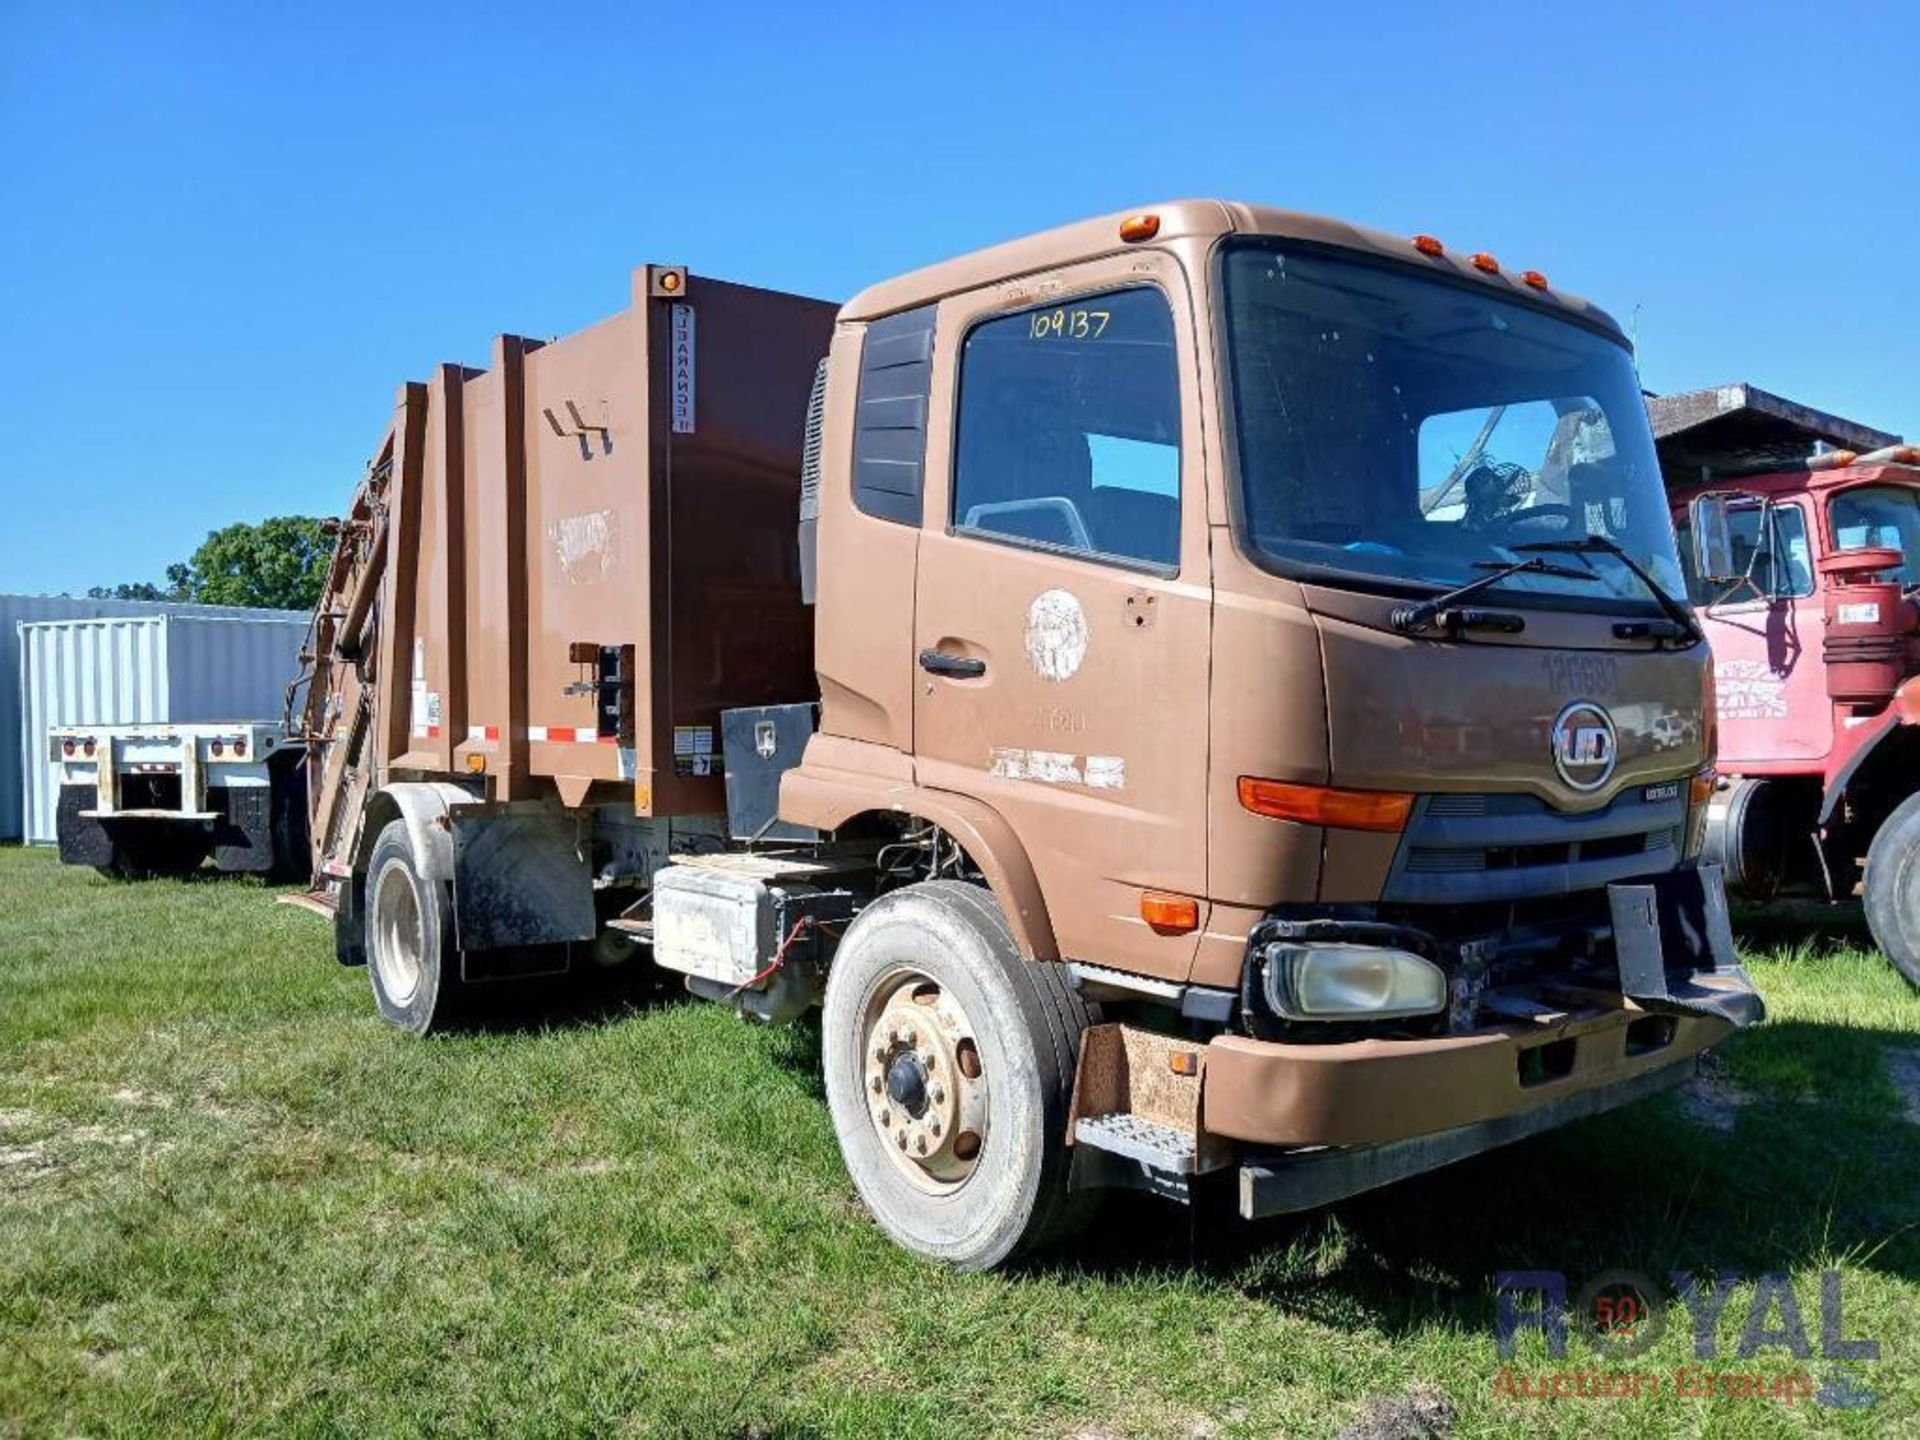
[(766, 739), (1584, 745)]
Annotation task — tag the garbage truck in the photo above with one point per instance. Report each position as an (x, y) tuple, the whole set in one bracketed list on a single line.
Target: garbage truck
[(1802, 538), (1197, 700)]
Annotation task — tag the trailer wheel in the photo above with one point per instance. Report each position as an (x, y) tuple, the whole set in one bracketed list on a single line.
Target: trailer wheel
[(949, 1068), (408, 934), (1893, 888)]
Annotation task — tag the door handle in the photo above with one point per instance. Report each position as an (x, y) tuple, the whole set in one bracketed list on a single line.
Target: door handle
[(960, 667)]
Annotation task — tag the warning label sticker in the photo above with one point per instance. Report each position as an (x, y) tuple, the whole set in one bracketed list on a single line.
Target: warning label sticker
[(693, 751)]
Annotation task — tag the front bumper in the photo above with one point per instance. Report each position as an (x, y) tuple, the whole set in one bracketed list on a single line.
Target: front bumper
[(1680, 989), (1362, 1092)]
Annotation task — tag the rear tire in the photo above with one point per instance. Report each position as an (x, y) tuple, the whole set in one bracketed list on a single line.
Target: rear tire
[(1892, 888), (408, 935), (927, 986)]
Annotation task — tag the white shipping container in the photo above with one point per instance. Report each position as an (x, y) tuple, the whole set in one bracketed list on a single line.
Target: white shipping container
[(150, 669)]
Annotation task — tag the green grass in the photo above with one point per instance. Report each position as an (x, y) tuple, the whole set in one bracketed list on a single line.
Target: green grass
[(231, 1200)]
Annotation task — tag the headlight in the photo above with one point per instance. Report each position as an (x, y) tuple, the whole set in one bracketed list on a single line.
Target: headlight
[(1344, 982)]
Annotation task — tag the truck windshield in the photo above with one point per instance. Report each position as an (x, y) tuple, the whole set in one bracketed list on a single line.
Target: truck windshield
[(1871, 517), (1399, 432)]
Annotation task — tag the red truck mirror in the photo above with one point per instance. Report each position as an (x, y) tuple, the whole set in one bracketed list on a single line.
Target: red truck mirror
[(1713, 540)]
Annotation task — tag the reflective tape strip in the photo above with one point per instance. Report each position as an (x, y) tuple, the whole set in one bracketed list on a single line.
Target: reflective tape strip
[(426, 732), (483, 734), (569, 735)]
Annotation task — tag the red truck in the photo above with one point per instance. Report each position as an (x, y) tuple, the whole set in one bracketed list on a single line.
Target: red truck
[(1800, 535)]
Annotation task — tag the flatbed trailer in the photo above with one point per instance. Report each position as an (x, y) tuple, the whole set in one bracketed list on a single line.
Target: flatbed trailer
[(144, 800)]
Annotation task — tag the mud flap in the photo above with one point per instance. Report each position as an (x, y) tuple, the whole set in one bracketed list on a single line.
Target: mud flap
[(243, 835), (83, 839), (1674, 940), (518, 880)]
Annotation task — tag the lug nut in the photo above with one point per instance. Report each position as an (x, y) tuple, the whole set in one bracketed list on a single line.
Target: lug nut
[(921, 1144), (927, 1061), (939, 1095), (903, 1139), (886, 1117), (935, 1127), (874, 1084)]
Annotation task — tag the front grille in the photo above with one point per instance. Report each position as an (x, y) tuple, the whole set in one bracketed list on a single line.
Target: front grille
[(1461, 849)]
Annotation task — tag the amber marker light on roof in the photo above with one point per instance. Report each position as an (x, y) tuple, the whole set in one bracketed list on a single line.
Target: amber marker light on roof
[(670, 281), (1325, 805), (1534, 278), (1136, 228), (1485, 263), (1427, 245)]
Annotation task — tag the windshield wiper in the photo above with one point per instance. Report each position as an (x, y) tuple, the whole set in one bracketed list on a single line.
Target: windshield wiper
[(1440, 612), (1670, 607)]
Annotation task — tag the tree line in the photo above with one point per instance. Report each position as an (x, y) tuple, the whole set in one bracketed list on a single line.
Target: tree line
[(278, 564)]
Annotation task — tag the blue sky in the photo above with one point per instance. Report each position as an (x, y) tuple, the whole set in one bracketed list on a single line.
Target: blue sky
[(227, 231)]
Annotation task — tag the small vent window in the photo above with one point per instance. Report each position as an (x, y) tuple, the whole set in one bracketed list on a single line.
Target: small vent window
[(890, 425)]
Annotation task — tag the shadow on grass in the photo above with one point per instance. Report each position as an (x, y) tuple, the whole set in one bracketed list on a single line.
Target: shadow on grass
[(1814, 927), (1794, 1184), (585, 998)]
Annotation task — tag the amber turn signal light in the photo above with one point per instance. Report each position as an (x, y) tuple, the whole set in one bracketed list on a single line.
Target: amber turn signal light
[(1139, 227), (1170, 914), (1700, 788), (1385, 810)]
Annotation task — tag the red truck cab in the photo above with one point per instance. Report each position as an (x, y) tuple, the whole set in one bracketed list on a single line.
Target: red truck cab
[(1800, 537)]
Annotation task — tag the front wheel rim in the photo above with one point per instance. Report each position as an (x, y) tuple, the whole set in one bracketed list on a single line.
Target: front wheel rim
[(924, 1082), (399, 939)]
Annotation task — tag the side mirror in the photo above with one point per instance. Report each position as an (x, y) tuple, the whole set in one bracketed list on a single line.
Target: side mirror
[(1713, 540)]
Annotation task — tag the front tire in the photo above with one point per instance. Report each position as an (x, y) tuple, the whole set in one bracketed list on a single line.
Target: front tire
[(1892, 888), (949, 1069), (408, 938)]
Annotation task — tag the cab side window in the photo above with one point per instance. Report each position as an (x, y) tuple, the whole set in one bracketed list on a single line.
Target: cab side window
[(1068, 432)]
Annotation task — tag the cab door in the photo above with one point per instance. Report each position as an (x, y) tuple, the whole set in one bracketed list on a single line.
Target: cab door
[(1063, 601), (1769, 682)]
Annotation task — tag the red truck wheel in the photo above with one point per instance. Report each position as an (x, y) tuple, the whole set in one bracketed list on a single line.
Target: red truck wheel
[(949, 1067), (1893, 888)]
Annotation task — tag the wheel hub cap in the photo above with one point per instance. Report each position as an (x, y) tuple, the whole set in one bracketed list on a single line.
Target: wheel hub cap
[(925, 1085)]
